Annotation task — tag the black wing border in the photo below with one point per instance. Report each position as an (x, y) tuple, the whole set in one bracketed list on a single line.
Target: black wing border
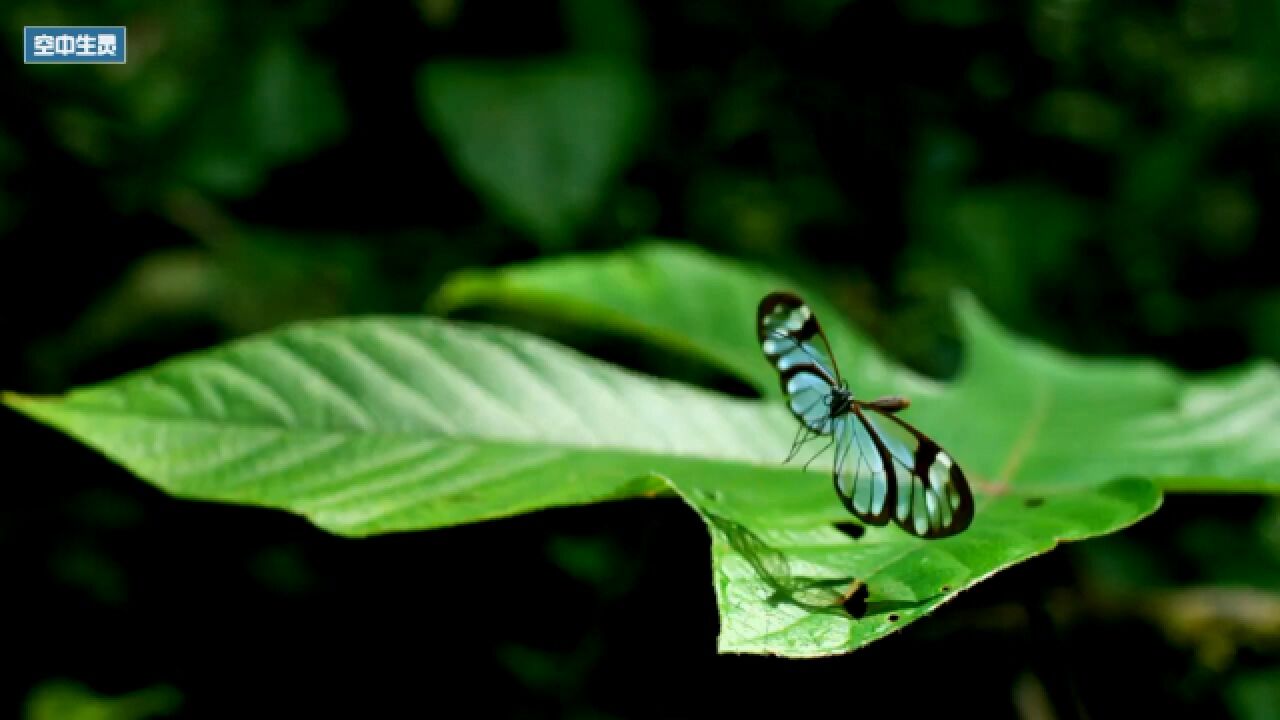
[(886, 460), (810, 329), (923, 456)]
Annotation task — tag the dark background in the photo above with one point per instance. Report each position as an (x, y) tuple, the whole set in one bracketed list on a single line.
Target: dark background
[(1103, 176)]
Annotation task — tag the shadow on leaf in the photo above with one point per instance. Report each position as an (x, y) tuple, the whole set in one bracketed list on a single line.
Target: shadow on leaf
[(838, 595)]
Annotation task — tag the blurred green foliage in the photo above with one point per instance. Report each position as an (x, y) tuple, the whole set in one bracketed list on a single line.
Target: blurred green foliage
[(63, 700), (1065, 159), (1102, 175), (539, 141)]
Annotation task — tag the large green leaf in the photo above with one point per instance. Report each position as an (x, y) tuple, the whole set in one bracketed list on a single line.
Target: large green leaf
[(388, 424), (540, 141), (385, 424), (1019, 410)]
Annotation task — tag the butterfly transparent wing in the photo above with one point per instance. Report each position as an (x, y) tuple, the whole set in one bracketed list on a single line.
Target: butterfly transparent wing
[(931, 496), (791, 338), (863, 471), (809, 398)]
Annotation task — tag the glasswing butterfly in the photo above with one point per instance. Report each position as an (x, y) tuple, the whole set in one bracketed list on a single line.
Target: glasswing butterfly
[(884, 468)]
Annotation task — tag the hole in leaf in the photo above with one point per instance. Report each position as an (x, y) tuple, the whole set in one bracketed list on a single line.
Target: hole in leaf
[(853, 530), (856, 603), (946, 588), (1033, 502), (893, 617)]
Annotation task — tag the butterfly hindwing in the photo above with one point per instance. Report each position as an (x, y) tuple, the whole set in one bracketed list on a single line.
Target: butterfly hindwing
[(807, 397), (863, 471), (931, 496)]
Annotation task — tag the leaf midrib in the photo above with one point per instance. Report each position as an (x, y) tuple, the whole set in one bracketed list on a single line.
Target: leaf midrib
[(1041, 400), (25, 403)]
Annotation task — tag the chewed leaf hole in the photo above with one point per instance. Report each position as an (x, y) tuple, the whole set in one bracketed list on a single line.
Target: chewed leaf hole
[(856, 603), (893, 617)]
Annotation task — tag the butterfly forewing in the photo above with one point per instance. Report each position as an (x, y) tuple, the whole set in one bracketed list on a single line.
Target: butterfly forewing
[(808, 397), (791, 338), (931, 496)]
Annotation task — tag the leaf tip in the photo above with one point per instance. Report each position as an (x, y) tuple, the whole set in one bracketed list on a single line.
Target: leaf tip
[(463, 289), (977, 325), (969, 311), (17, 401), (36, 407)]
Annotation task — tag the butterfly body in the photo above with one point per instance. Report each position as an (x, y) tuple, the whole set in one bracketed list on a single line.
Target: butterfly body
[(840, 401), (884, 469)]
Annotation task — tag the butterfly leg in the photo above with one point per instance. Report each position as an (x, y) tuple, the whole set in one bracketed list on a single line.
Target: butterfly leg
[(802, 436), (824, 449)]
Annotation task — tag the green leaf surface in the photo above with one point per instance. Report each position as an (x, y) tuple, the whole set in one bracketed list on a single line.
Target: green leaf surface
[(675, 296), (539, 141), (781, 579), (387, 424)]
